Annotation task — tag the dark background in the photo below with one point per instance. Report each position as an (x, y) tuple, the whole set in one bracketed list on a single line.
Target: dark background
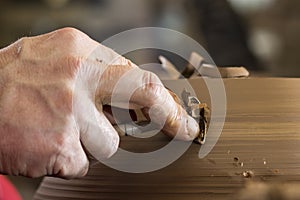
[(259, 34)]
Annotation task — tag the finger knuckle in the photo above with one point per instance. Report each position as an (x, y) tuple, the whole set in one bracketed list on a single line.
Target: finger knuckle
[(70, 38), (150, 78), (69, 33), (69, 165), (12, 52), (22, 40), (152, 86), (20, 45)]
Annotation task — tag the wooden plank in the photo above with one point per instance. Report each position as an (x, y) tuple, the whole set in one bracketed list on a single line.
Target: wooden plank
[(261, 135)]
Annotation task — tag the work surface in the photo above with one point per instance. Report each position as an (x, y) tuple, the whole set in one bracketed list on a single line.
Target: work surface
[(260, 142)]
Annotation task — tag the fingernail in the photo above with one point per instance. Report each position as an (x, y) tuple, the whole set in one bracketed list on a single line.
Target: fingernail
[(192, 127)]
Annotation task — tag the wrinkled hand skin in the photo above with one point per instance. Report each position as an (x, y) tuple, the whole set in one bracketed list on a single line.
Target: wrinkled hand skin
[(47, 84)]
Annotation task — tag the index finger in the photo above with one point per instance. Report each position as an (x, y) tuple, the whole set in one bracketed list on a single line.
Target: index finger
[(144, 88), (164, 107)]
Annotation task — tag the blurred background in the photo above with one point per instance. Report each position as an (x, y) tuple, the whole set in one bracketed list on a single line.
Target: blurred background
[(262, 35)]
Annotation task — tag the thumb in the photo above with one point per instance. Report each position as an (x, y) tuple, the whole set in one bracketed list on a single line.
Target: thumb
[(97, 135)]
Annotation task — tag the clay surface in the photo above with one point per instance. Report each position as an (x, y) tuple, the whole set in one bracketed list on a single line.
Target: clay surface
[(261, 136)]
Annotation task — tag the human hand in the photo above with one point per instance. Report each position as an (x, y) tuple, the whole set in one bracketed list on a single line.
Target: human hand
[(52, 91)]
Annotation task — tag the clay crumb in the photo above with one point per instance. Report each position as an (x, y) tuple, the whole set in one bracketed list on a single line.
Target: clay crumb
[(265, 162), (237, 163), (241, 164), (248, 174)]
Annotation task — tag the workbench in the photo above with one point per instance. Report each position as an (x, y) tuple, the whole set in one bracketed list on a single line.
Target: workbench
[(260, 142)]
